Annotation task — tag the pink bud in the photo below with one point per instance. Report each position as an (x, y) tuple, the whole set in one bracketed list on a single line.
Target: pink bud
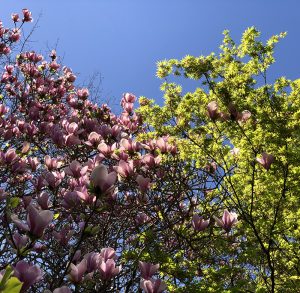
[(43, 200), (27, 15), (15, 17)]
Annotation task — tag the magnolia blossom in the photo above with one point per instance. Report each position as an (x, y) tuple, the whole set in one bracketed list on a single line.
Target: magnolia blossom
[(238, 116), (212, 110), (144, 183), (153, 286), (102, 181), (244, 116), (228, 220), (147, 269), (235, 151), (266, 160), (93, 261), (75, 169), (199, 224), (15, 17), (125, 169), (27, 273), (108, 253), (37, 221), (77, 271), (108, 269), (19, 240)]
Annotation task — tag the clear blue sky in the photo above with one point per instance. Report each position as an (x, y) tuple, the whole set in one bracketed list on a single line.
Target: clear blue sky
[(123, 39)]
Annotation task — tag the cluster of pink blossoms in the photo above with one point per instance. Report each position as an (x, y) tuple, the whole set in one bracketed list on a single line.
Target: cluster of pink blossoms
[(77, 189)]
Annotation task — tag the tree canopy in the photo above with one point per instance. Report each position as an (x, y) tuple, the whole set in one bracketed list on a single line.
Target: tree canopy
[(198, 195)]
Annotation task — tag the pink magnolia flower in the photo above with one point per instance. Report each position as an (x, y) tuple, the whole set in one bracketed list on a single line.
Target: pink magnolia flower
[(71, 140), (10, 156), (71, 199), (238, 116), (93, 139), (54, 65), (228, 220), (147, 269), (105, 149), (52, 163), (63, 236), (43, 200), (151, 161), (162, 144), (212, 110), (128, 107), (83, 93), (129, 145), (27, 273), (266, 160), (199, 224), (54, 178), (125, 169), (76, 170), (153, 286), (108, 269), (15, 35), (235, 151), (93, 261), (37, 221), (108, 253), (27, 15), (33, 163), (244, 116), (144, 183), (102, 181), (4, 109), (19, 240), (77, 271), (129, 98)]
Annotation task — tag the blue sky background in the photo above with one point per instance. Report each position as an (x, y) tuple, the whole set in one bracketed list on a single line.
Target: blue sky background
[(123, 39)]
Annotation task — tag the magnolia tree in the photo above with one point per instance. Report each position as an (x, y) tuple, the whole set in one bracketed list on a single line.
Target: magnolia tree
[(199, 195), (80, 198)]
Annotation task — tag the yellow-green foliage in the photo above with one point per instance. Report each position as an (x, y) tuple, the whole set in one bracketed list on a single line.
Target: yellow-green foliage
[(267, 201)]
